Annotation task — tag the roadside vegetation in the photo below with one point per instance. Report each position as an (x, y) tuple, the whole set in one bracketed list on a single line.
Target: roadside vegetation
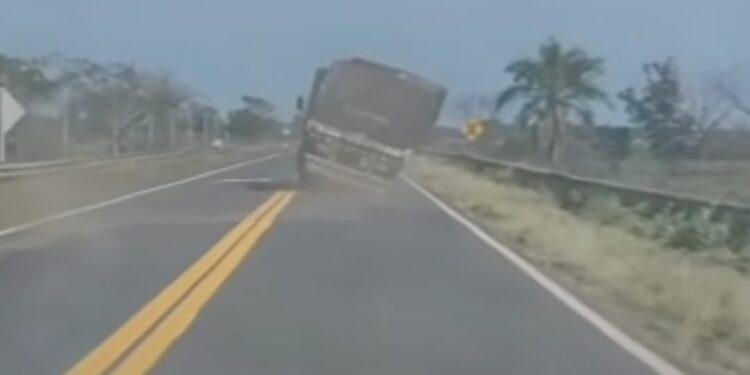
[(558, 83), (254, 120), (675, 275), (78, 107), (677, 278), (687, 135), (105, 108), (672, 281)]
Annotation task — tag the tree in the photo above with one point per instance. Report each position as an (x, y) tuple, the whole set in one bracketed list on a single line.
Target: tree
[(556, 84), (708, 109), (254, 120), (110, 100), (677, 123), (116, 102), (657, 110), (161, 97), (27, 82), (731, 88), (258, 105)]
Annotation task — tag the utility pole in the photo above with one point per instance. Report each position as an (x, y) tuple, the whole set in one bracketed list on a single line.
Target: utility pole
[(67, 111), (150, 130), (65, 133), (206, 127), (225, 132), (172, 124), (115, 140), (2, 127), (2, 130), (190, 134)]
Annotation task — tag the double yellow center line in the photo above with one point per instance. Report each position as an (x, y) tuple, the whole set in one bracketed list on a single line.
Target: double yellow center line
[(137, 345)]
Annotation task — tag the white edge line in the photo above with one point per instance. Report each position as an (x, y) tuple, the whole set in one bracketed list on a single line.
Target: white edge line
[(651, 359), (246, 180), (95, 206)]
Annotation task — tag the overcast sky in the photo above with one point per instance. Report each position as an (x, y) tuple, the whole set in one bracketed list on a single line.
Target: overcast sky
[(227, 48)]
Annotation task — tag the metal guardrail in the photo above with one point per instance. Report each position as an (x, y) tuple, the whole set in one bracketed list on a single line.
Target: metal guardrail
[(12, 170), (34, 165), (564, 185)]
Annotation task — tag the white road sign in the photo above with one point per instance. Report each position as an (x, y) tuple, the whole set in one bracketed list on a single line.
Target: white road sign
[(10, 111)]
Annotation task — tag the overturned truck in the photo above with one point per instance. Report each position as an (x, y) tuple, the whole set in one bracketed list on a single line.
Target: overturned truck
[(364, 116)]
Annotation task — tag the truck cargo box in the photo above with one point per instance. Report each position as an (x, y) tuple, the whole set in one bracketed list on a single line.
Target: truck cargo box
[(389, 105), (365, 115)]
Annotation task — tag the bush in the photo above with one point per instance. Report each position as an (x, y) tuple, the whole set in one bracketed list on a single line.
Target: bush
[(689, 230)]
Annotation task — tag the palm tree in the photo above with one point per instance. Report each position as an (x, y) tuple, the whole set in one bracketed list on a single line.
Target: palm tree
[(555, 85)]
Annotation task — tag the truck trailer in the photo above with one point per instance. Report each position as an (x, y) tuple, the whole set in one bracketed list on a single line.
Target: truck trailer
[(365, 116)]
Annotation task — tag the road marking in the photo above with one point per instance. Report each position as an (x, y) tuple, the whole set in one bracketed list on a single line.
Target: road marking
[(262, 180), (153, 347), (106, 354), (77, 164), (96, 206), (651, 359), (139, 343)]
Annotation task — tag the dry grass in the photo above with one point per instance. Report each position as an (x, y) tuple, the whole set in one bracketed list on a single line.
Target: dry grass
[(717, 179), (693, 311)]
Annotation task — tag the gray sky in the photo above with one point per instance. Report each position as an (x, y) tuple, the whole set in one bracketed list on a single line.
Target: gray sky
[(227, 48)]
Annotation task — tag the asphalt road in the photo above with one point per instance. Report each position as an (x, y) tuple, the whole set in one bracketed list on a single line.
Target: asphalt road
[(350, 281)]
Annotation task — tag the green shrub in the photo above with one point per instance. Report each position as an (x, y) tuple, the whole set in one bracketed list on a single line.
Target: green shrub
[(690, 230), (696, 231)]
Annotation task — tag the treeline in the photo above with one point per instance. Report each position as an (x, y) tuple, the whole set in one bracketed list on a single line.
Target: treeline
[(560, 88), (254, 120), (118, 108), (119, 104)]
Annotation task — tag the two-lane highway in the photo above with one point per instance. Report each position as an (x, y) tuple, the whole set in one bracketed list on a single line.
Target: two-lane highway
[(348, 281)]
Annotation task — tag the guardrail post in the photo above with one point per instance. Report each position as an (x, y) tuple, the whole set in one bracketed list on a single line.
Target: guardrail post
[(115, 141), (172, 125), (2, 132), (150, 134), (190, 130), (65, 133)]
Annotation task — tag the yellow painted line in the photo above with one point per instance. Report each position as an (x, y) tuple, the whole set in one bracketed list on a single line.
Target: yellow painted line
[(155, 345), (120, 342)]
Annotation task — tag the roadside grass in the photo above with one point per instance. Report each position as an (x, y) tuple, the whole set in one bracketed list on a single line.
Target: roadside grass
[(713, 179), (690, 308), (702, 232)]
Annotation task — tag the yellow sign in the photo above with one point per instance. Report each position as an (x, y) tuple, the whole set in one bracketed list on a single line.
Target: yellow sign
[(474, 129)]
